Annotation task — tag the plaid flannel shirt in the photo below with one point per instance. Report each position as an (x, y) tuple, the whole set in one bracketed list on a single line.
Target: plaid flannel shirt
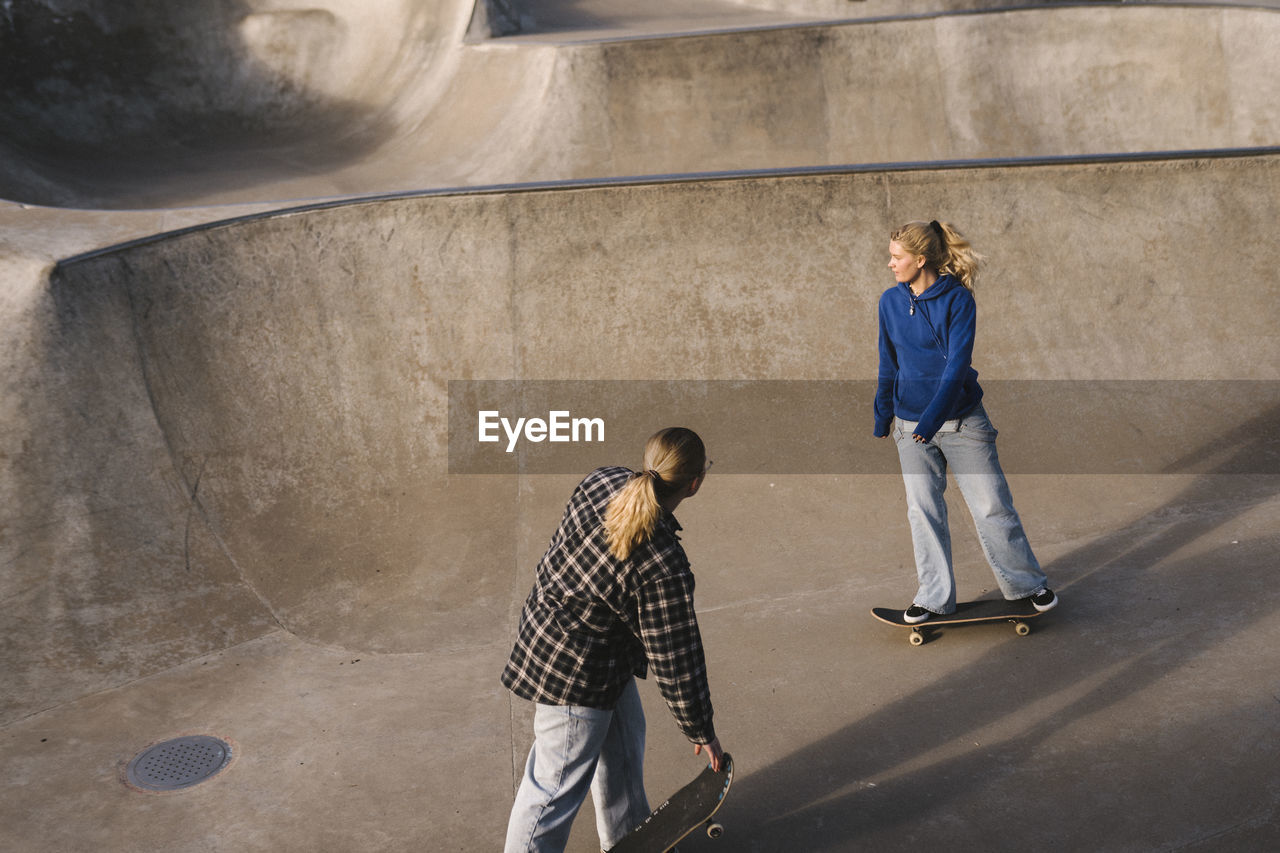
[(592, 621)]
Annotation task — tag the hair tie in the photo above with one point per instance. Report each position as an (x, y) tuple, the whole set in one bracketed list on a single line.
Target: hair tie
[(938, 228)]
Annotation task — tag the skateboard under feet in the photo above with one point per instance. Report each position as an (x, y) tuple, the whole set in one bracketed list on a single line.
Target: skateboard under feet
[(967, 612)]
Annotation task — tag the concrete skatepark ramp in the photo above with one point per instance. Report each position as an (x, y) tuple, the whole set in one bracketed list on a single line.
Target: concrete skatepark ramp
[(264, 102), (231, 507)]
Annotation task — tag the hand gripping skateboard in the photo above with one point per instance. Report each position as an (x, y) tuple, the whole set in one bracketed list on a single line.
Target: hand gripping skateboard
[(983, 610), (687, 809)]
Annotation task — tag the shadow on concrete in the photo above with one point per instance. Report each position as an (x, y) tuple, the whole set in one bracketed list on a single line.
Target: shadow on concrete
[(622, 18), (137, 104), (1135, 614)]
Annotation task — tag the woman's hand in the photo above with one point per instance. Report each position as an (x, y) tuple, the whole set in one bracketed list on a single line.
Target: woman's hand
[(714, 753)]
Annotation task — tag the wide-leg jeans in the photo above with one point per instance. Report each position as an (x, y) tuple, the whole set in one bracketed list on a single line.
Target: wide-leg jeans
[(576, 750), (967, 447)]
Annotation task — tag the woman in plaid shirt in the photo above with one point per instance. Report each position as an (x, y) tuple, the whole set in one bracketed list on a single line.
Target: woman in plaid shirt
[(613, 597)]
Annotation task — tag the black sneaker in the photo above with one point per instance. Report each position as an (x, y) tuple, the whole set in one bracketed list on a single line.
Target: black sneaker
[(1044, 599), (915, 614)]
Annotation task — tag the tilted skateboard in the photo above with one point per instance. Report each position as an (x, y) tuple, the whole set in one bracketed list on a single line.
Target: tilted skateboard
[(687, 809), (983, 610)]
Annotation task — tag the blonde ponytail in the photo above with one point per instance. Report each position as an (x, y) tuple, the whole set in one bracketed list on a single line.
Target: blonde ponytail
[(631, 515), (673, 457), (944, 249)]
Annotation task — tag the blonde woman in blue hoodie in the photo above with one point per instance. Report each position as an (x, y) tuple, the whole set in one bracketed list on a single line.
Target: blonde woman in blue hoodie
[(928, 397)]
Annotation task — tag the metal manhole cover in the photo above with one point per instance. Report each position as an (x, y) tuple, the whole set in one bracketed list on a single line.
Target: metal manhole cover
[(179, 763)]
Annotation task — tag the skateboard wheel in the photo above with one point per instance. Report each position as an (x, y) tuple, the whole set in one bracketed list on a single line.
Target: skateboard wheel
[(1022, 628), (714, 830), (916, 638)]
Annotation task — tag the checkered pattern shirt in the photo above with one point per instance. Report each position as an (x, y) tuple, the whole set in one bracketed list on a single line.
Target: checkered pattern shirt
[(592, 621)]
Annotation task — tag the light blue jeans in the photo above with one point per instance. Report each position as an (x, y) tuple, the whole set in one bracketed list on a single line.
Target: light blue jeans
[(576, 749), (967, 446)]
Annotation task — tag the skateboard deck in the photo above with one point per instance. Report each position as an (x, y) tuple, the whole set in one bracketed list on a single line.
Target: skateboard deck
[(967, 612), (683, 812)]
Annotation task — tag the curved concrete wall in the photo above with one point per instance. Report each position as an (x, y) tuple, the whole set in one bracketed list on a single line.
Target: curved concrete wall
[(220, 433), (1018, 83), (298, 364), (134, 104), (268, 106), (88, 75), (109, 573)]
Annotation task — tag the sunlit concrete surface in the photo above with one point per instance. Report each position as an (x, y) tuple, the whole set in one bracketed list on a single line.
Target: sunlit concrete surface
[(224, 470)]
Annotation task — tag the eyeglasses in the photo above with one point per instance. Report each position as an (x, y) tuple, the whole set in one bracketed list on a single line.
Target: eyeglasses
[(708, 467)]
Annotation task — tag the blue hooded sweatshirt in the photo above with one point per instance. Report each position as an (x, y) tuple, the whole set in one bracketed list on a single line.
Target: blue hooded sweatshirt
[(926, 353)]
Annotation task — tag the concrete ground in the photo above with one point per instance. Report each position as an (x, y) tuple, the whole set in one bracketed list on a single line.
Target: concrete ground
[(235, 501)]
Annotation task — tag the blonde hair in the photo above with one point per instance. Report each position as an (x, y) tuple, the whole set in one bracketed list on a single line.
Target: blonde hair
[(673, 457), (944, 249)]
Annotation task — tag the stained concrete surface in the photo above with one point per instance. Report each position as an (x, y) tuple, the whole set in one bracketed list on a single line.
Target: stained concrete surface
[(228, 510)]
